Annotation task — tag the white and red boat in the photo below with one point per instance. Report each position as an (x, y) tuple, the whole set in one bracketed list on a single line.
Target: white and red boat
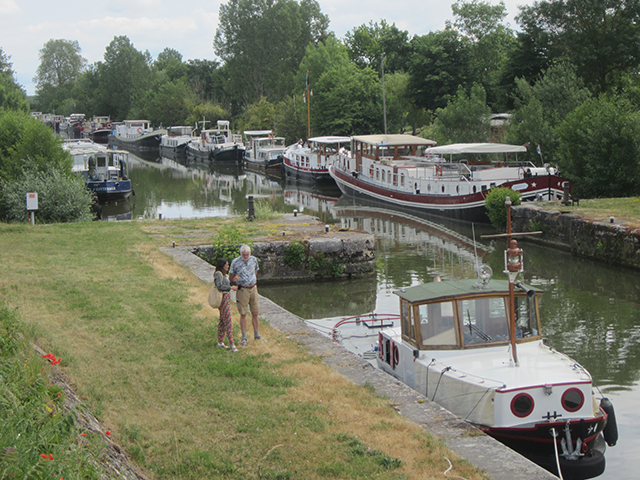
[(475, 348), (411, 173), (310, 161)]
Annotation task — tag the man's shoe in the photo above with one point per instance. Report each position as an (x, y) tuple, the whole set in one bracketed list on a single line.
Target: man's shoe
[(243, 342)]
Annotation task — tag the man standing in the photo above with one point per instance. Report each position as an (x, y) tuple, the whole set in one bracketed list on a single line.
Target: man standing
[(243, 272)]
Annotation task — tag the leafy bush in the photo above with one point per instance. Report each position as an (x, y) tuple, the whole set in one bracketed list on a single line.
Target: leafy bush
[(496, 210), (60, 198), (295, 254), (226, 244)]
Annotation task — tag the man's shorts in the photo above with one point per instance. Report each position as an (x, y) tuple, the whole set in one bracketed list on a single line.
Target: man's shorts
[(247, 297)]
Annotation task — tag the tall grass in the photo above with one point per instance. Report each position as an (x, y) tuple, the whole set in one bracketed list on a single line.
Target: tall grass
[(38, 438), (139, 342)]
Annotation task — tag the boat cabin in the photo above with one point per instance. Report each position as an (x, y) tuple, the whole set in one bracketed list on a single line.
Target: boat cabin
[(466, 314)]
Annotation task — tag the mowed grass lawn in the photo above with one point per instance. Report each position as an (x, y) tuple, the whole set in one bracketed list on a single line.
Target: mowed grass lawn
[(138, 343)]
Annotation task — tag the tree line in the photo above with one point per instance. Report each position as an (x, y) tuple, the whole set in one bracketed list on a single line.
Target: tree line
[(568, 77)]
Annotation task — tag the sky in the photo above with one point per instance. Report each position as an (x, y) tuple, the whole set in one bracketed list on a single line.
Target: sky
[(153, 25)]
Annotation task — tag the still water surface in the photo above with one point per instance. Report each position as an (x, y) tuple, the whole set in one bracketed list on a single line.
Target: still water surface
[(590, 311)]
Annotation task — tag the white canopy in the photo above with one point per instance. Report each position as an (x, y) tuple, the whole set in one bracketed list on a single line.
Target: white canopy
[(456, 148), (330, 139), (256, 133)]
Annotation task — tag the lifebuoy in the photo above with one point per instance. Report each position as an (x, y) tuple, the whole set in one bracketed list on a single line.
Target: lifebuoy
[(439, 170), (109, 125), (395, 356), (139, 129)]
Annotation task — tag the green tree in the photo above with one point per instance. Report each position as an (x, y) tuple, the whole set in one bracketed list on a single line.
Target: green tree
[(262, 42), (61, 63), (465, 119), (12, 96), (123, 76), (368, 43), (24, 139), (206, 80), (600, 148), (490, 42), (209, 112), (542, 107), (170, 62), (259, 115), (167, 103), (601, 37), (291, 119), (438, 65)]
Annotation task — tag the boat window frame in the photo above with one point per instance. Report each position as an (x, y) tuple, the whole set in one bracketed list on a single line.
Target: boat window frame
[(414, 337)]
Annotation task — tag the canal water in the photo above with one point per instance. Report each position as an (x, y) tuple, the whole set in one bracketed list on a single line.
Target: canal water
[(590, 310)]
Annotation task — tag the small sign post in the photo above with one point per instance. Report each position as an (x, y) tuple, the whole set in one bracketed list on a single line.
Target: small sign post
[(32, 206)]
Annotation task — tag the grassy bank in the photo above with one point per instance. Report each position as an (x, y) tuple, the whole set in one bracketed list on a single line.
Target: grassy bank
[(624, 210), (137, 341)]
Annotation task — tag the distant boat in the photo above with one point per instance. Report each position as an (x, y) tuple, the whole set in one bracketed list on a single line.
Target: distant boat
[(100, 129), (136, 136), (263, 149), (173, 144), (411, 173), (104, 171), (218, 145), (309, 161)]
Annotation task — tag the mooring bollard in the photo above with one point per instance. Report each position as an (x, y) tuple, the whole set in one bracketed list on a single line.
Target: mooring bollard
[(251, 213), (565, 193)]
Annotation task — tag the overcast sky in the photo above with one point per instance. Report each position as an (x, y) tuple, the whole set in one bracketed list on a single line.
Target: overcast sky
[(188, 27)]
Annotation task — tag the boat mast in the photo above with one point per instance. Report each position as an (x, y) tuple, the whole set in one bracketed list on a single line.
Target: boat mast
[(512, 267), (308, 108), (384, 96)]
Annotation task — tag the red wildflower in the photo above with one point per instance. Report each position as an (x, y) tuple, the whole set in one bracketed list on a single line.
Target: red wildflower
[(107, 432), (84, 434), (50, 456), (44, 455)]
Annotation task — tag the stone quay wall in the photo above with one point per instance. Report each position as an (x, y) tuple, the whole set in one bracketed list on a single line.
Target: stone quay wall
[(609, 242), (341, 255)]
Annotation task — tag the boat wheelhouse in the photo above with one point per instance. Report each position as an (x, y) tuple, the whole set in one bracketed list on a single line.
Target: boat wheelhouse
[(104, 171), (217, 144), (263, 149), (310, 161), (173, 144)]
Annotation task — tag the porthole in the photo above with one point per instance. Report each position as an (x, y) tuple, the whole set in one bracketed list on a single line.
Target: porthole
[(522, 405), (572, 400)]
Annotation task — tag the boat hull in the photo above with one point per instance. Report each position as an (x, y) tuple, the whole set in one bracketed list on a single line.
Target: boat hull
[(148, 142), (110, 190), (306, 175), (469, 207)]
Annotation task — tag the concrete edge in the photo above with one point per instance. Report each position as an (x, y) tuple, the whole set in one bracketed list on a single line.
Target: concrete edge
[(480, 450)]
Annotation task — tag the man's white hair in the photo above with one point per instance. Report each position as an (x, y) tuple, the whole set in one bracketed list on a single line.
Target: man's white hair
[(245, 248)]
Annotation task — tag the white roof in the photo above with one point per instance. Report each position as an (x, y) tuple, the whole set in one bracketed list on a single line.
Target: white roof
[(455, 148), (257, 132), (393, 140), (330, 139)]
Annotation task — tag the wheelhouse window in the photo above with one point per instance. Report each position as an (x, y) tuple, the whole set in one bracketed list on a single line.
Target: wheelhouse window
[(407, 323), (436, 324), (526, 317), (484, 320)]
